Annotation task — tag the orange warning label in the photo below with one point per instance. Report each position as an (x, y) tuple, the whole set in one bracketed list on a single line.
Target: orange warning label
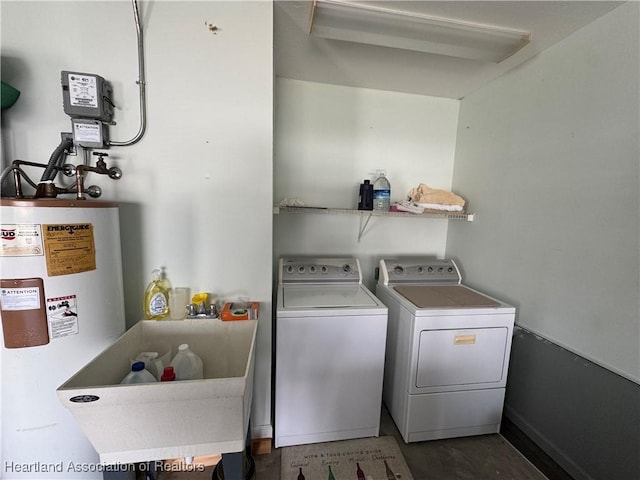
[(69, 248)]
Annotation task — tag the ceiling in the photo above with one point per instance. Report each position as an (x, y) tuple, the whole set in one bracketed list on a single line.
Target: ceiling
[(303, 57)]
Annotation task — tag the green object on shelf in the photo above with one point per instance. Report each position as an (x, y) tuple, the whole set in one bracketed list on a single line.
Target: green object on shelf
[(9, 95)]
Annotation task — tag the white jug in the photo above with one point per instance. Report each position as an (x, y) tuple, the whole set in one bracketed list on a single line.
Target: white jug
[(139, 374), (152, 363), (186, 364)]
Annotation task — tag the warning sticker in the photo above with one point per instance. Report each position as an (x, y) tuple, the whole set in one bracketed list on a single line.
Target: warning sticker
[(63, 316), (83, 90), (21, 240), (16, 299), (69, 248)]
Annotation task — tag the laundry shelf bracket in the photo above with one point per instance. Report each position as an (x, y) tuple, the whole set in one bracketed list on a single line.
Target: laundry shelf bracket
[(363, 227)]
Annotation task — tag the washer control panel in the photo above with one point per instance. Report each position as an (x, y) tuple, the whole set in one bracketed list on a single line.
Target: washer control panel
[(418, 270), (320, 270)]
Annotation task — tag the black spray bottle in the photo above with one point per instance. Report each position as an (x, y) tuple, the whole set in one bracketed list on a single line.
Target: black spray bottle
[(366, 196)]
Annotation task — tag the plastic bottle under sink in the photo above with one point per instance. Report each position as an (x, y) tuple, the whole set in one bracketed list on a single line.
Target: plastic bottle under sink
[(186, 364), (139, 374), (168, 375)]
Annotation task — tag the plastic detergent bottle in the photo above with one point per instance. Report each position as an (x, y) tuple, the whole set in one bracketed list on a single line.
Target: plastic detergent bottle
[(168, 375), (156, 298), (139, 374), (381, 193), (186, 364)]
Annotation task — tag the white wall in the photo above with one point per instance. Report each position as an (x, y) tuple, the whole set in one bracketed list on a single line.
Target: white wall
[(549, 156), (198, 186), (329, 138)]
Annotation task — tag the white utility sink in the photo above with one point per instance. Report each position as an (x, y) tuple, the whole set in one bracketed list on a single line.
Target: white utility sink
[(154, 421)]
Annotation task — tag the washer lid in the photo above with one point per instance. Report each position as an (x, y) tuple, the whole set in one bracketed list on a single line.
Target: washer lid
[(326, 296), (439, 296)]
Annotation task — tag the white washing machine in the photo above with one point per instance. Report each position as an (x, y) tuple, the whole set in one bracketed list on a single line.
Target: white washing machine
[(330, 347), (448, 350)]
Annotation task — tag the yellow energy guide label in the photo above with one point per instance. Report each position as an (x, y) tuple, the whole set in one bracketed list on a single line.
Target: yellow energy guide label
[(69, 248)]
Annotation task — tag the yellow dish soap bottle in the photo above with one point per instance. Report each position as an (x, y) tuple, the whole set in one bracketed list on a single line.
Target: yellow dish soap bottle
[(156, 298)]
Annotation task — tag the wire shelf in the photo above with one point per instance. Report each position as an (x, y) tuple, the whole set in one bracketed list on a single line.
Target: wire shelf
[(366, 215)]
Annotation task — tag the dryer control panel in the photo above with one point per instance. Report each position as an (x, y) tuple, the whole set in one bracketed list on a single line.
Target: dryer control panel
[(418, 270), (320, 270)]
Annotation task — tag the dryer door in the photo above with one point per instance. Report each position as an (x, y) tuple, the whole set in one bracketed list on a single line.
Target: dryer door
[(467, 358)]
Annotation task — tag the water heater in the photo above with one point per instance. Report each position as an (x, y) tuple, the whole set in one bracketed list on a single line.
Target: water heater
[(61, 304)]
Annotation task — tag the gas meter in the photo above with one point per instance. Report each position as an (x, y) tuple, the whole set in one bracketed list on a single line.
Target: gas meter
[(86, 99)]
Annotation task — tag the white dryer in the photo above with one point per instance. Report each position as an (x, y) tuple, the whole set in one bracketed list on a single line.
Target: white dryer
[(329, 352), (448, 350)]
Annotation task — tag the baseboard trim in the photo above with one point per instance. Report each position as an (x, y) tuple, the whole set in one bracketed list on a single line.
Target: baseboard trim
[(261, 446), (533, 444), (262, 431)]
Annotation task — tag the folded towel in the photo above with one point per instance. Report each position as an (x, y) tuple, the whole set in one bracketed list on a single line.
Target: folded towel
[(405, 206), (424, 194), (440, 206)]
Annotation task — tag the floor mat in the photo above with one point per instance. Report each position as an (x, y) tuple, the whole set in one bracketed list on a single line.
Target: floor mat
[(362, 459)]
